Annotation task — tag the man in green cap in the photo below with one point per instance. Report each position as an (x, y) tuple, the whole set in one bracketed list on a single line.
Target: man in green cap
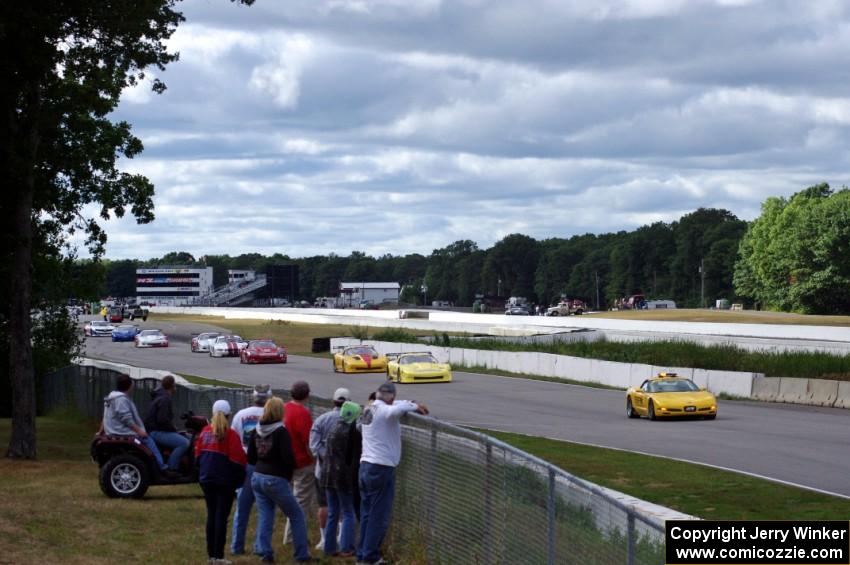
[(342, 454)]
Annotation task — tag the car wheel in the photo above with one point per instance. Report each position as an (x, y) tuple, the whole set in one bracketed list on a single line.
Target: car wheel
[(579, 312), (651, 410), (553, 314), (630, 411), (124, 476), (242, 359)]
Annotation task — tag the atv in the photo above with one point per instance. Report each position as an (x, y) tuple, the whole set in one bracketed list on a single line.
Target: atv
[(128, 468)]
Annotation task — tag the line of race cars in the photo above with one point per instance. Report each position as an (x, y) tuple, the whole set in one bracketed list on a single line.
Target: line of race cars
[(126, 332), (667, 395), (249, 352)]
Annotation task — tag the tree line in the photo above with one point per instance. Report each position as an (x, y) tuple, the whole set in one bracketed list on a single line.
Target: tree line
[(662, 260), (794, 257)]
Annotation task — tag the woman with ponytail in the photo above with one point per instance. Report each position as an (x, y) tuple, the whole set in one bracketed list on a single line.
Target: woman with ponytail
[(221, 461)]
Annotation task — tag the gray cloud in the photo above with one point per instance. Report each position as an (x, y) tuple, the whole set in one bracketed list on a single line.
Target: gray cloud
[(396, 126)]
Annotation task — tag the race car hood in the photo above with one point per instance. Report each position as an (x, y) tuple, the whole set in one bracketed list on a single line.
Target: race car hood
[(424, 367), (682, 398)]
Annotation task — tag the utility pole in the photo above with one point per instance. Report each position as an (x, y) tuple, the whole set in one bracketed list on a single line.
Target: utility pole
[(499, 287), (702, 283), (596, 274)]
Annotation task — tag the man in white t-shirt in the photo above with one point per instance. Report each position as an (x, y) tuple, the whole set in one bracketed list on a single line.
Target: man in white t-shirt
[(243, 424), (381, 428)]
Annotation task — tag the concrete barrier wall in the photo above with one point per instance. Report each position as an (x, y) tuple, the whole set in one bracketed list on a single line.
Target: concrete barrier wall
[(609, 373), (792, 390), (843, 398)]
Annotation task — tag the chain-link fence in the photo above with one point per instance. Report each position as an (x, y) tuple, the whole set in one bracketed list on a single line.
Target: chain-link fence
[(461, 496)]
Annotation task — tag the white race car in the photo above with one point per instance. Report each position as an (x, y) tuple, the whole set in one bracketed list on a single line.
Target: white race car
[(98, 328), (227, 346), (202, 342), (151, 338)]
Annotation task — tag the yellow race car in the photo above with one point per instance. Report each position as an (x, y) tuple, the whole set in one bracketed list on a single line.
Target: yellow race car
[(359, 359), (669, 395), (419, 367)]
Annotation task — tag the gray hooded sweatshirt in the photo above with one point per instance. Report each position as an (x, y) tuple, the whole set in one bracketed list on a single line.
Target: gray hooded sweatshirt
[(119, 414)]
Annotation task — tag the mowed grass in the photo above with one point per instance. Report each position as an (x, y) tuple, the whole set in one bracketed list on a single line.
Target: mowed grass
[(726, 317), (298, 339), (675, 353), (693, 489), (295, 336), (53, 511)]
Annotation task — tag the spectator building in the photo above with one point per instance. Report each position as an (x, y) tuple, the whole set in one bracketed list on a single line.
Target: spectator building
[(172, 285)]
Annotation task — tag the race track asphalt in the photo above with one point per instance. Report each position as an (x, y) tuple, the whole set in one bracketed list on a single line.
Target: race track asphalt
[(807, 446)]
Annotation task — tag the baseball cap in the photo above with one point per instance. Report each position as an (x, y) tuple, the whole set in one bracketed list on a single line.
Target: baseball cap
[(349, 412), (262, 391), (342, 394), (387, 387), (221, 406)]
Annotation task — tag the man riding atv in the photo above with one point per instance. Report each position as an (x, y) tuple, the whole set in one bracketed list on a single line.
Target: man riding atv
[(129, 459)]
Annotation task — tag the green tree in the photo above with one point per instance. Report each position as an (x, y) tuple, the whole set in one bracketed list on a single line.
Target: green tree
[(795, 256), (63, 67)]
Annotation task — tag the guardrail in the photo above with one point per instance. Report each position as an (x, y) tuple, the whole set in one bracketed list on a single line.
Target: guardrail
[(461, 496)]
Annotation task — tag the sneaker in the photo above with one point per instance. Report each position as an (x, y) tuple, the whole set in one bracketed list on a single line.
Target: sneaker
[(320, 545), (169, 474)]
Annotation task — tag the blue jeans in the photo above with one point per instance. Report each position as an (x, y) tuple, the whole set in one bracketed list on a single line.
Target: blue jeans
[(151, 444), (271, 491), (339, 502), (244, 503), (178, 444), (377, 489)]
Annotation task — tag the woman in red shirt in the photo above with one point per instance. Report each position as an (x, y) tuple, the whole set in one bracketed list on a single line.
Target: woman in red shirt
[(221, 461)]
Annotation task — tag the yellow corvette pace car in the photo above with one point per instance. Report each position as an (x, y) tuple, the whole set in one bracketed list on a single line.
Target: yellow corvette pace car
[(359, 359), (669, 395), (417, 368)]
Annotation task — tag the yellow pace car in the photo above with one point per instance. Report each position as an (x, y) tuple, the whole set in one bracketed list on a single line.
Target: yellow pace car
[(359, 359), (669, 395), (417, 368)]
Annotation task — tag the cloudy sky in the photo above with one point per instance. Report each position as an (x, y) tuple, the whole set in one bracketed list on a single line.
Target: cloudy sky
[(396, 126)]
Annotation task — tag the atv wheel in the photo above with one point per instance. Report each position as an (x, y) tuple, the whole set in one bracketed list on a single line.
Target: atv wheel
[(124, 476)]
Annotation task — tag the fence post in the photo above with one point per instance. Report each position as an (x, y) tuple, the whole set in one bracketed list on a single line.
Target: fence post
[(488, 506), (551, 509), (630, 555), (432, 493)]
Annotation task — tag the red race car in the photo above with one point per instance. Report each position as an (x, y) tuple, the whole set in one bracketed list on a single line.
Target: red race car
[(263, 351)]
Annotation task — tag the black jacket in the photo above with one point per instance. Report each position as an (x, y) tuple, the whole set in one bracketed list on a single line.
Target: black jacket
[(160, 413), (272, 454)]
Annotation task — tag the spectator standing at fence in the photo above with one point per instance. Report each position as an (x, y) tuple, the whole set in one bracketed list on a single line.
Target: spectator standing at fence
[(160, 422), (270, 451), (381, 429), (338, 463), (318, 442), (121, 418), (221, 461), (298, 422), (243, 424)]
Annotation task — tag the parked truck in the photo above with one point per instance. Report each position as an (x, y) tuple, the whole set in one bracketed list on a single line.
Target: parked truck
[(567, 307)]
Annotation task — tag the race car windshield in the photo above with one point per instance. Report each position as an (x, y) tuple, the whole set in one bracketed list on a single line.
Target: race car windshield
[(409, 359), (231, 340), (262, 344), (125, 328), (99, 324), (150, 332), (362, 351), (673, 386), (207, 336)]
